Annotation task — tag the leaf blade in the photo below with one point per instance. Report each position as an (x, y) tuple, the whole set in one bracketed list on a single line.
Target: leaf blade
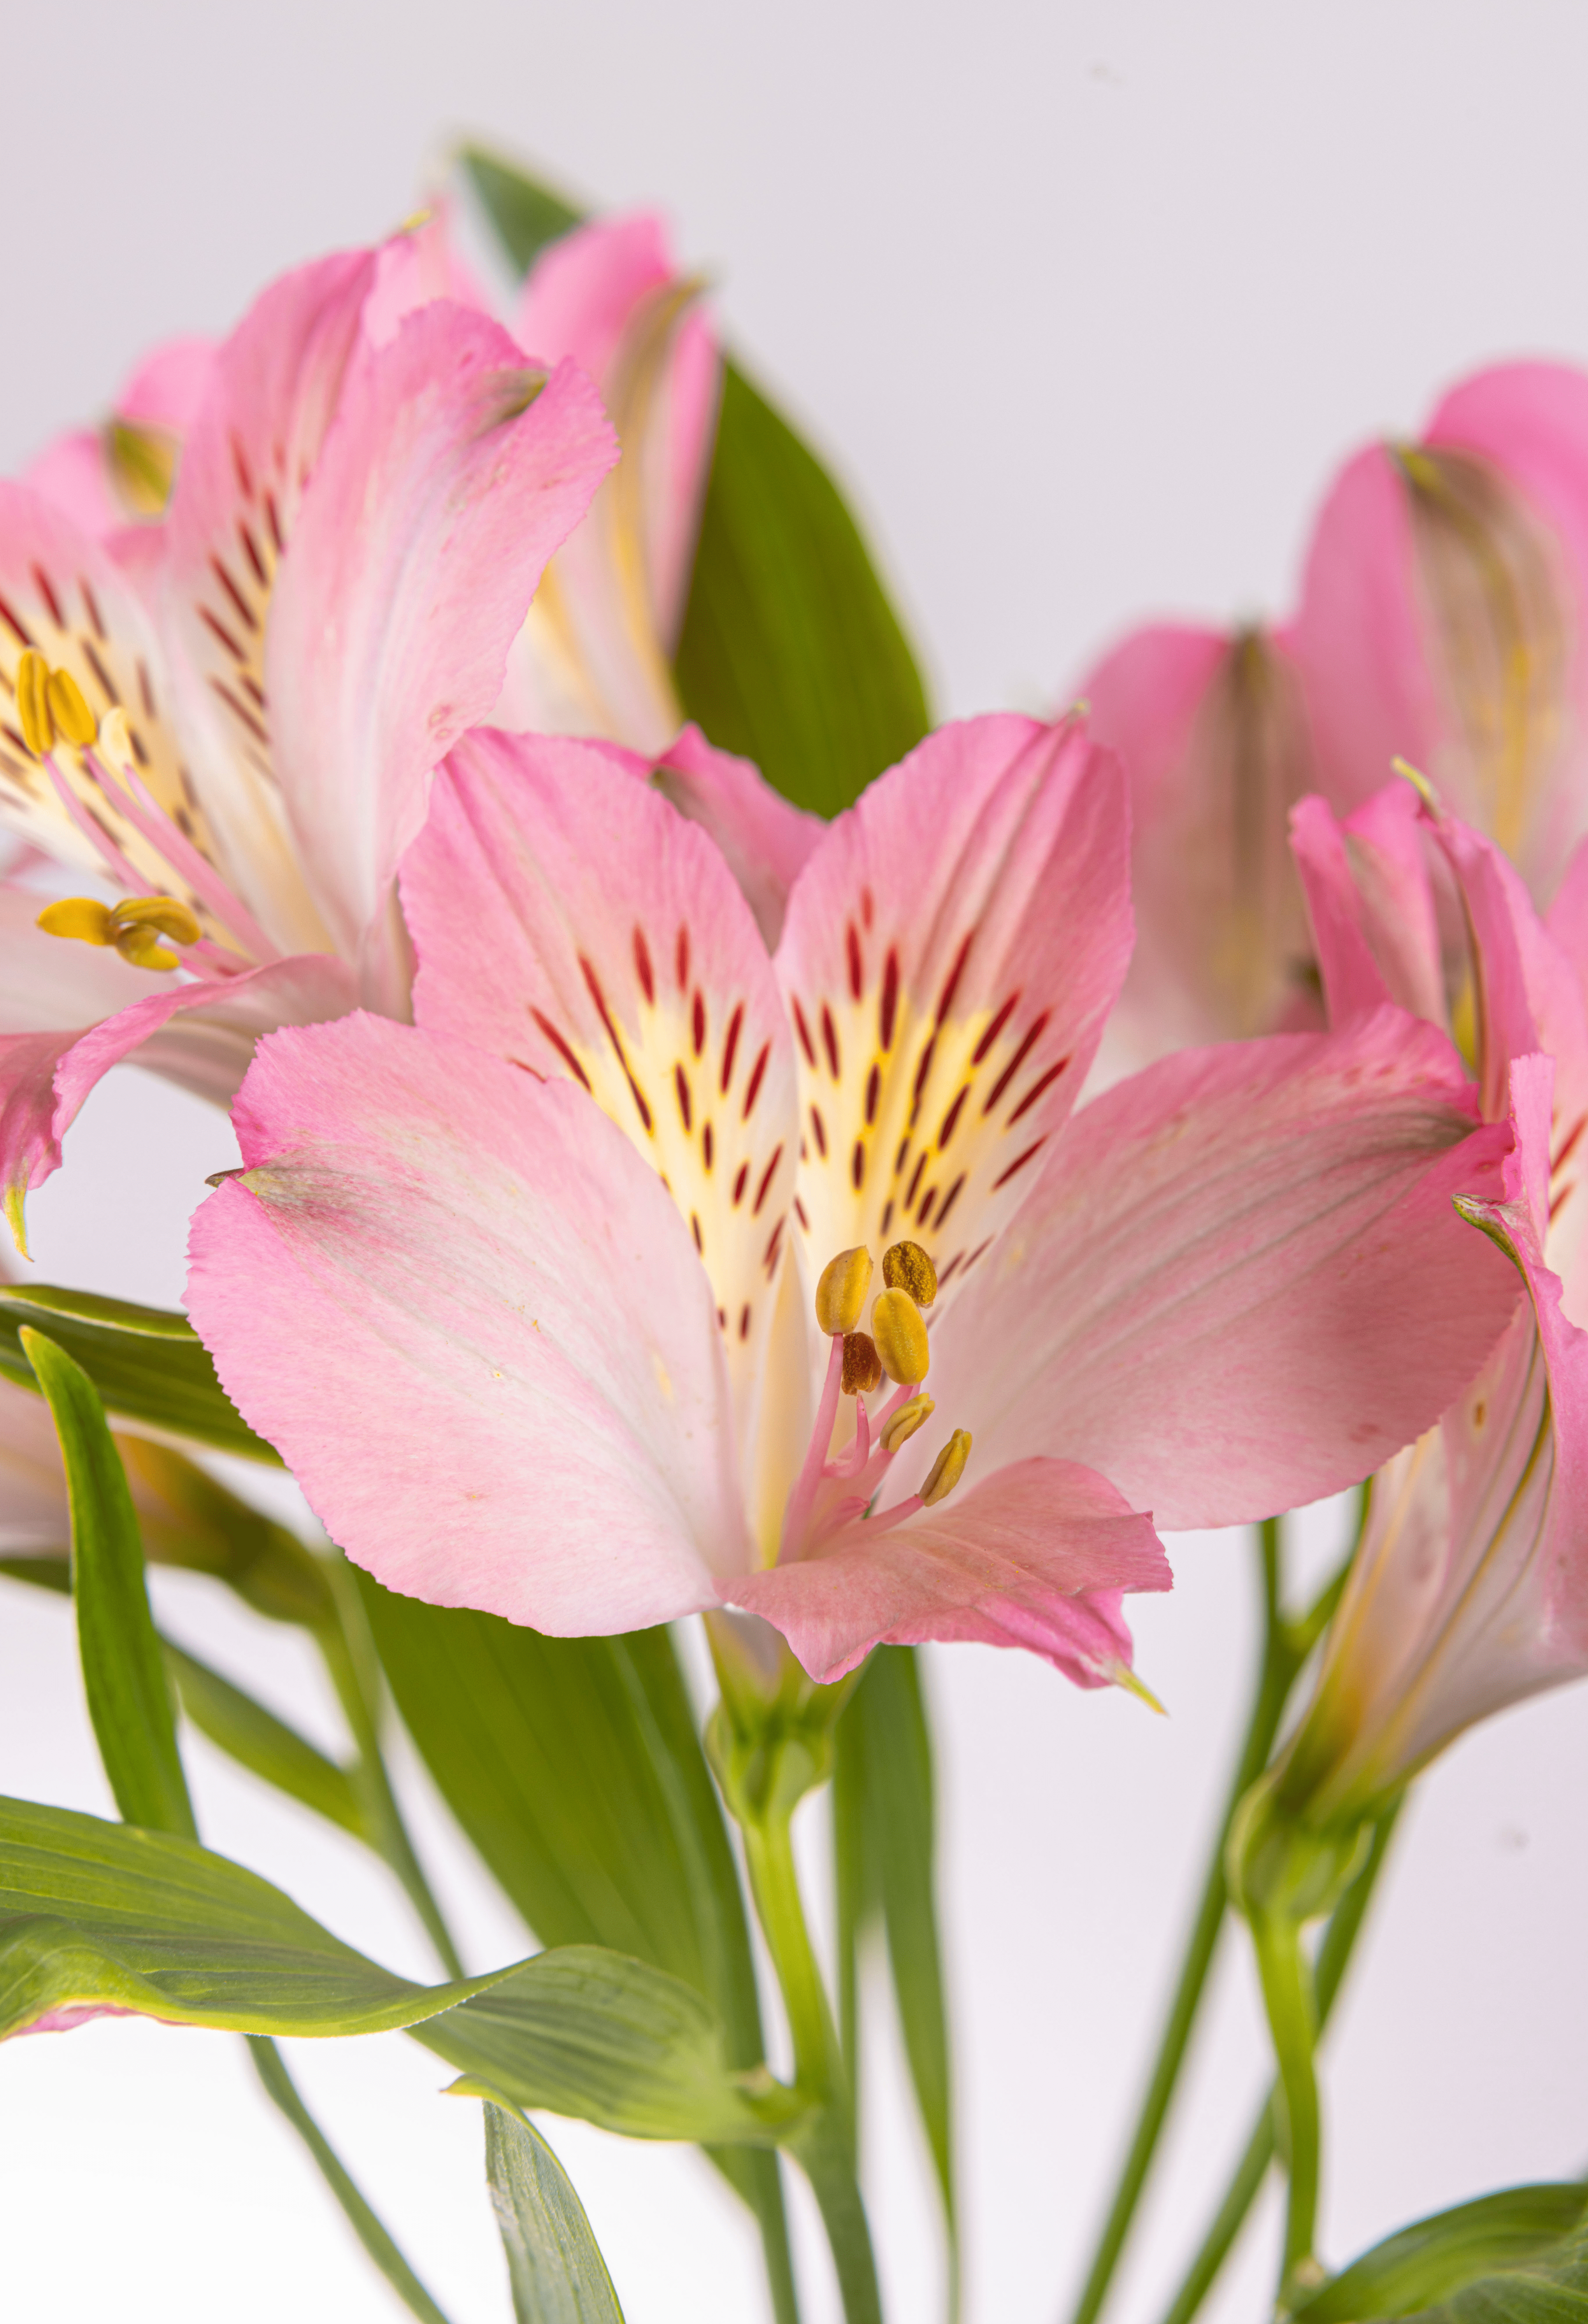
[(238, 1725), (1519, 2255), (525, 214), (554, 2262), (129, 1700), (148, 1363)]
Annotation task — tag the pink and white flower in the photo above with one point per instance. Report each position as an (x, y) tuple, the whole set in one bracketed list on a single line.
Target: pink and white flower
[(523, 1292), (258, 689)]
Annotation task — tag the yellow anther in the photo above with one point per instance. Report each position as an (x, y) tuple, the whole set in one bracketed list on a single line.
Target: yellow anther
[(863, 1367), (33, 702), (134, 927), (906, 1420), (116, 741), (906, 1267), (840, 1294), (900, 1331), (948, 1468), (74, 721), (172, 918), (79, 917)]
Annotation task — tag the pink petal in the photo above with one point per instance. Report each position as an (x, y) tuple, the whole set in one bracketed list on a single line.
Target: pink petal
[(763, 836), (1240, 1283), (616, 949), (1036, 1556), (169, 386), (951, 950), (1211, 729), (70, 473), (163, 393), (470, 1317), (1470, 1588), (440, 494), (584, 286), (199, 1035)]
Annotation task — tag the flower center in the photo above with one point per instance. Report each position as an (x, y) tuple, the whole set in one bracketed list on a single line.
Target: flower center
[(833, 1490)]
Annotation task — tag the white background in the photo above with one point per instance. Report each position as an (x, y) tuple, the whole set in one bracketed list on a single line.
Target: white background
[(1084, 302)]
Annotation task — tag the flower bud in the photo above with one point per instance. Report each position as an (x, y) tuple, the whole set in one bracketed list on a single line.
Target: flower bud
[(901, 1334), (840, 1294)]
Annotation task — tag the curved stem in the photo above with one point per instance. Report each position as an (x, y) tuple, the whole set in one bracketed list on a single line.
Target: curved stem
[(1287, 1992), (1333, 1954), (825, 2147)]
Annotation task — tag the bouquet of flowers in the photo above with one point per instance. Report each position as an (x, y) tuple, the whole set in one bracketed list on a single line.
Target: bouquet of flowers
[(713, 1147)]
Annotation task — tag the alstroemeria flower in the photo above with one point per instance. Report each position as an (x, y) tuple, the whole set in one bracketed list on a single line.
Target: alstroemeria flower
[(1444, 611), (597, 650), (234, 714), (1214, 735), (1470, 1589), (524, 1293), (122, 472)]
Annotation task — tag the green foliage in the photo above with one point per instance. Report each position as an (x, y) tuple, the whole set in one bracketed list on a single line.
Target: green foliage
[(148, 1363), (554, 2265), (885, 1833), (272, 2072), (587, 2032), (263, 1744), (1517, 2257), (129, 1702), (790, 652), (525, 214), (107, 1915)]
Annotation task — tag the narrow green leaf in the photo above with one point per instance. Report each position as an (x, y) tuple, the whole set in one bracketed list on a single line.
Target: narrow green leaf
[(272, 2072), (585, 2031), (263, 1743), (525, 214), (52, 1573), (1517, 2257), (790, 652), (890, 1748), (554, 2262), (129, 1702), (148, 1363), (97, 1915)]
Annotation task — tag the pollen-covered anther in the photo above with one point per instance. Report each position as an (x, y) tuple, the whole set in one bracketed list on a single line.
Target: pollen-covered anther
[(73, 719), (863, 1367), (840, 1292), (901, 1425), (33, 702), (906, 1266), (900, 1331), (948, 1468), (134, 926)]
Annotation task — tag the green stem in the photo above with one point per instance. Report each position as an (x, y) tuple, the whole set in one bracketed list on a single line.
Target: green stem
[(1286, 1991), (1333, 1954), (825, 2147), (1276, 1677)]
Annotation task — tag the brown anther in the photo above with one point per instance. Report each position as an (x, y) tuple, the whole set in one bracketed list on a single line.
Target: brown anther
[(840, 1293), (900, 1335), (863, 1367), (948, 1468), (906, 1267)]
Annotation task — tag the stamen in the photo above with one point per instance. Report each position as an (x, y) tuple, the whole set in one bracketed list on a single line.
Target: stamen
[(863, 1367), (146, 815), (840, 1294), (901, 1334), (906, 1266), (134, 926), (79, 917), (901, 1425), (947, 1468), (74, 721), (33, 702), (810, 1474)]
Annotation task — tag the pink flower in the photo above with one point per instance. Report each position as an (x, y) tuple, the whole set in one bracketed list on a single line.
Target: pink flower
[(523, 1293), (121, 473), (1470, 1590), (251, 697)]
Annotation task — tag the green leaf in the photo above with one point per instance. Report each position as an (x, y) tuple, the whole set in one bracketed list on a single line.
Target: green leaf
[(104, 1915), (886, 1742), (1517, 2257), (790, 652), (148, 1363), (553, 2261), (263, 1743), (585, 2031), (272, 2072), (525, 214), (575, 1768), (129, 1702)]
